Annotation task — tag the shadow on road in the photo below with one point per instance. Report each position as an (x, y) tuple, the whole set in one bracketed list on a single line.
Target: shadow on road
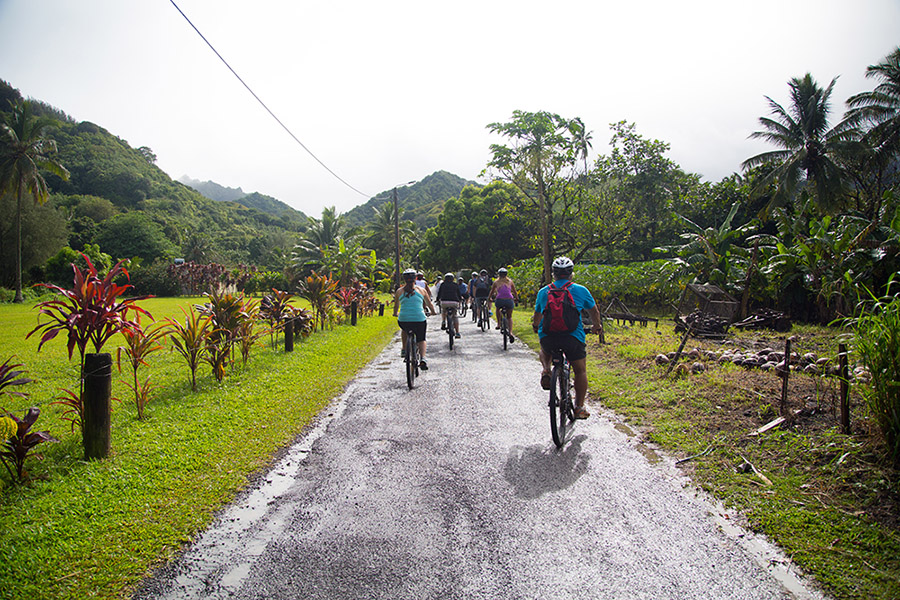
[(538, 469)]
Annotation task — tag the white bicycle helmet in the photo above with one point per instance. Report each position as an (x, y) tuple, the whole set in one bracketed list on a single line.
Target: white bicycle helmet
[(562, 266)]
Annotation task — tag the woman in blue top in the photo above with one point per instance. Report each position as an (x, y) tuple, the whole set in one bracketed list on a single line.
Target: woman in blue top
[(409, 308)]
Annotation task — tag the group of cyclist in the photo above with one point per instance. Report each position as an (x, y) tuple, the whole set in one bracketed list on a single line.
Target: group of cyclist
[(414, 298)]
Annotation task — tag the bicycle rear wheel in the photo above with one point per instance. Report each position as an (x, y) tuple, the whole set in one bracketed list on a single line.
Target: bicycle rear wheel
[(558, 416), (451, 333), (412, 359), (504, 328)]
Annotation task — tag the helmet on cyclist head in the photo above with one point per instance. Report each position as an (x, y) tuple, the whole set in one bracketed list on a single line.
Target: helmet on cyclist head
[(449, 277), (409, 274), (502, 271), (474, 274), (562, 267), (484, 271)]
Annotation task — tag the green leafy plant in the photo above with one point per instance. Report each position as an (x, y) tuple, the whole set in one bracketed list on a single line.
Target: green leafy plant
[(140, 343), (247, 332), (18, 447), (878, 344), (189, 339)]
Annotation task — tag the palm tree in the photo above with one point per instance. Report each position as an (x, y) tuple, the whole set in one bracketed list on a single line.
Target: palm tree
[(877, 113), (880, 108), (24, 151), (809, 151)]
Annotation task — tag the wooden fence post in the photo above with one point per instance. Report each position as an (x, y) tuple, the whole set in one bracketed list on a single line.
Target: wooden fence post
[(785, 375), (95, 403), (845, 390), (289, 335), (353, 308)]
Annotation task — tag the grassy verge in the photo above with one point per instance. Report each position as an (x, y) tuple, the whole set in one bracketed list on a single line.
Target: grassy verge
[(92, 529), (827, 499)]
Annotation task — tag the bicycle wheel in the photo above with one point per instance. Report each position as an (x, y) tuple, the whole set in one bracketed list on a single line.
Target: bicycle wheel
[(504, 328), (451, 333), (558, 417), (565, 382), (412, 359)]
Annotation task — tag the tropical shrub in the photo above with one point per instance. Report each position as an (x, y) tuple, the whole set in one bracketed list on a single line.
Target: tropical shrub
[(89, 312), (139, 344), (878, 344), (189, 339), (276, 308), (319, 291), (16, 449)]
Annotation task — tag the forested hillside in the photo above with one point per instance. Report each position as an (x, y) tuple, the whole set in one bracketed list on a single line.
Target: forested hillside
[(261, 202), (118, 202), (421, 202)]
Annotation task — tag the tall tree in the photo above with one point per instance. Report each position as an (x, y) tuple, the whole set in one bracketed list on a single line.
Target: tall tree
[(877, 113), (809, 151), (541, 158), (24, 152)]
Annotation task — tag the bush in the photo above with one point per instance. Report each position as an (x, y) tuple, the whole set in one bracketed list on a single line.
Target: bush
[(878, 344)]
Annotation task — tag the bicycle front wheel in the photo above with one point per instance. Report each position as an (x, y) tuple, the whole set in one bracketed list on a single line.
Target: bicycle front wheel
[(412, 359), (558, 416)]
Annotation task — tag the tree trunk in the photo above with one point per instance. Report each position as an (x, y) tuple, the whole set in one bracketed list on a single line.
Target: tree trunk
[(19, 297)]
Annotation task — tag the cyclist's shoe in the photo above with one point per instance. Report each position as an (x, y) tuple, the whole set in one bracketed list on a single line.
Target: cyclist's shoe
[(424, 366), (511, 338), (497, 327), (443, 326), (545, 381), (581, 412), (457, 336)]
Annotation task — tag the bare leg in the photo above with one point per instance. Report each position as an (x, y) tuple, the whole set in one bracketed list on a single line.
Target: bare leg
[(581, 381)]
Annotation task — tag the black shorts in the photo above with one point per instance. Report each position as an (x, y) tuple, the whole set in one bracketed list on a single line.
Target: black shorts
[(418, 328), (504, 303), (569, 344)]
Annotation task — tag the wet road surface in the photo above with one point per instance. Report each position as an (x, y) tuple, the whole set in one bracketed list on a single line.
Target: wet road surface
[(455, 490)]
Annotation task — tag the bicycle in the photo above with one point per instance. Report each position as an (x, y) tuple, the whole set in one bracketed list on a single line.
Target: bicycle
[(562, 409), (464, 303), (504, 327), (450, 316), (411, 359), (484, 313)]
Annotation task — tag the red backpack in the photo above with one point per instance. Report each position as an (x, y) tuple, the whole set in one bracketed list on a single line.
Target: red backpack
[(560, 314)]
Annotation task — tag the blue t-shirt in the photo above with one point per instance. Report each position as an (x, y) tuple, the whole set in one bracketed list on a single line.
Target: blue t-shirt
[(580, 295)]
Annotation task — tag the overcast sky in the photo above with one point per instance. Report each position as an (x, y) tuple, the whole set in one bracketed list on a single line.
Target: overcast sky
[(391, 91)]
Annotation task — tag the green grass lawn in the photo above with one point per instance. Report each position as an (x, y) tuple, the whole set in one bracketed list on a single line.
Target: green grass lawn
[(81, 529)]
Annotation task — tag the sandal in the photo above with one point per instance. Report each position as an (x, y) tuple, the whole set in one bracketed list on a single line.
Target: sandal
[(545, 381), (581, 412)]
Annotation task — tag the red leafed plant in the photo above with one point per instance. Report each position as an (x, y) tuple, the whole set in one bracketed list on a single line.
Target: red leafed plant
[(90, 312), (139, 344), (15, 450), (10, 376)]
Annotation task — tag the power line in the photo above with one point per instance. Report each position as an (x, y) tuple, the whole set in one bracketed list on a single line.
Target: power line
[(263, 104)]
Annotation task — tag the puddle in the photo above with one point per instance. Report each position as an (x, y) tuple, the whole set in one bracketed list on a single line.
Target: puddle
[(650, 454), (624, 429)]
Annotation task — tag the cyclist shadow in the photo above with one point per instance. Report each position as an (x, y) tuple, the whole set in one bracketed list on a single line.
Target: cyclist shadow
[(539, 469)]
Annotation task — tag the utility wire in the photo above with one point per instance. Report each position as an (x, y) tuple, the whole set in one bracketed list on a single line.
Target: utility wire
[(263, 104)]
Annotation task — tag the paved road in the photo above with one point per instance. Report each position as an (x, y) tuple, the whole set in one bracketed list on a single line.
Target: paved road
[(455, 490)]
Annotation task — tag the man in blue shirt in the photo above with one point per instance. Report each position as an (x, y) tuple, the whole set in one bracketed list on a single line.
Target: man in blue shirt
[(572, 344)]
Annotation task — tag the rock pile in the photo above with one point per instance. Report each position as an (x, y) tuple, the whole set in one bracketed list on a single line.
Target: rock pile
[(766, 359)]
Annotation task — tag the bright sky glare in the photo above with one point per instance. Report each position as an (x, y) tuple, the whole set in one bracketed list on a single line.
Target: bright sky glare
[(388, 92)]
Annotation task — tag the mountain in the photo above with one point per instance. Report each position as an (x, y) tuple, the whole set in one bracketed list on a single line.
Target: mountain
[(421, 202), (261, 202)]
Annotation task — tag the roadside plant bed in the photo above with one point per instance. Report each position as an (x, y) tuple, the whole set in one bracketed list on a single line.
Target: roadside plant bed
[(831, 501), (78, 529)]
